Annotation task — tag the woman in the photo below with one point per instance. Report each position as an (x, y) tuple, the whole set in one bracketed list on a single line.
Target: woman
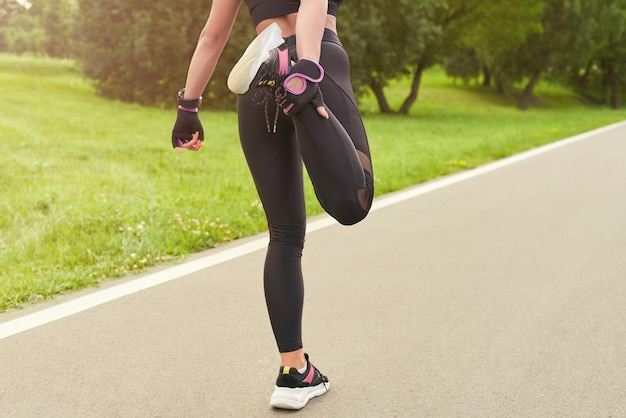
[(299, 107)]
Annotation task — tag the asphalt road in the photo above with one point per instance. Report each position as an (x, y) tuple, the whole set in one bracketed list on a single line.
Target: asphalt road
[(494, 293)]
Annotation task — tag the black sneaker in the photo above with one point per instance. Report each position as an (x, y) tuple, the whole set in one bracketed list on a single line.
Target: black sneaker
[(268, 84), (293, 390), (274, 69)]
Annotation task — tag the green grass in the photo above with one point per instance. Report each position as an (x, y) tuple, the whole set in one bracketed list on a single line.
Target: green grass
[(91, 189)]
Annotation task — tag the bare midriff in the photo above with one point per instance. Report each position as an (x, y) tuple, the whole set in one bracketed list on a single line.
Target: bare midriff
[(287, 24)]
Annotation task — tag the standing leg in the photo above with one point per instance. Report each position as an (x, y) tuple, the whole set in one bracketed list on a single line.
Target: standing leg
[(276, 168)]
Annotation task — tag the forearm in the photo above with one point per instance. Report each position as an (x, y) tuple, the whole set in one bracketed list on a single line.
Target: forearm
[(310, 28), (210, 45), (202, 66)]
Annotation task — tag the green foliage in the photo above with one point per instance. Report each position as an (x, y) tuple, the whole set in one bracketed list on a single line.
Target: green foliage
[(56, 19), (492, 28), (381, 37), (564, 39), (511, 42), (479, 34), (463, 63), (128, 55), (601, 71), (25, 34), (8, 9), (527, 40), (140, 51), (45, 28)]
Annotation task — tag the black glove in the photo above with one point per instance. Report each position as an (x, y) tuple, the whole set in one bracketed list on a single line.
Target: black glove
[(186, 125), (311, 73)]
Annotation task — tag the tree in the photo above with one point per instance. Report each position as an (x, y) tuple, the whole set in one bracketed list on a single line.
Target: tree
[(609, 56), (383, 40), (139, 51), (491, 29), (56, 19), (473, 34), (24, 34), (44, 27), (565, 37), (8, 9), (412, 36)]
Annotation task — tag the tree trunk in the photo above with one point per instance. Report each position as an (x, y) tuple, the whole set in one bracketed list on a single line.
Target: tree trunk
[(527, 95), (383, 105), (614, 86), (486, 76), (415, 87), (499, 85)]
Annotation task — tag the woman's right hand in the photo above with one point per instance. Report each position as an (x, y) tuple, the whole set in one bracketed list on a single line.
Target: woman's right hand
[(187, 131), (302, 88), (194, 145)]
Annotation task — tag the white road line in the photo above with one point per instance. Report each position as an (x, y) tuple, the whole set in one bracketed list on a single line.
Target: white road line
[(97, 298)]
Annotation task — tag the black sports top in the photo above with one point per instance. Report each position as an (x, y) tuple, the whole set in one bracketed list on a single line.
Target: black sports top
[(266, 9)]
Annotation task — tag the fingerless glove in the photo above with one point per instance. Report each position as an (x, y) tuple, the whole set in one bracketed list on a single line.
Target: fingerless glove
[(187, 122), (295, 100)]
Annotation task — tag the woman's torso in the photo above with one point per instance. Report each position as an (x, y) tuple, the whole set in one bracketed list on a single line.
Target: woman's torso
[(284, 13)]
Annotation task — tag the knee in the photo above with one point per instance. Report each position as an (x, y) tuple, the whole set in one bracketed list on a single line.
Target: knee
[(350, 215), (353, 209), (287, 234), (346, 209)]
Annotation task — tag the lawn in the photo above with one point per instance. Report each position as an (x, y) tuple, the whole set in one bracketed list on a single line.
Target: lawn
[(91, 189)]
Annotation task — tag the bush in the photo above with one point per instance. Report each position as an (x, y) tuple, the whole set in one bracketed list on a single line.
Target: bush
[(140, 51)]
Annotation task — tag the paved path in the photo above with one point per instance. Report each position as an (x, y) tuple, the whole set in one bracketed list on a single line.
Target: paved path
[(498, 292)]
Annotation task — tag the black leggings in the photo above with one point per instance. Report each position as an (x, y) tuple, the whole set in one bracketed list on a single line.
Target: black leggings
[(336, 154)]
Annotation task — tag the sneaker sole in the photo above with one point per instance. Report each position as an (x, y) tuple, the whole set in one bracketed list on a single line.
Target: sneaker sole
[(296, 398), (246, 68)]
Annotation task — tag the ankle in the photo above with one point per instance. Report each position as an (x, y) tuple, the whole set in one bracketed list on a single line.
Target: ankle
[(293, 359)]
